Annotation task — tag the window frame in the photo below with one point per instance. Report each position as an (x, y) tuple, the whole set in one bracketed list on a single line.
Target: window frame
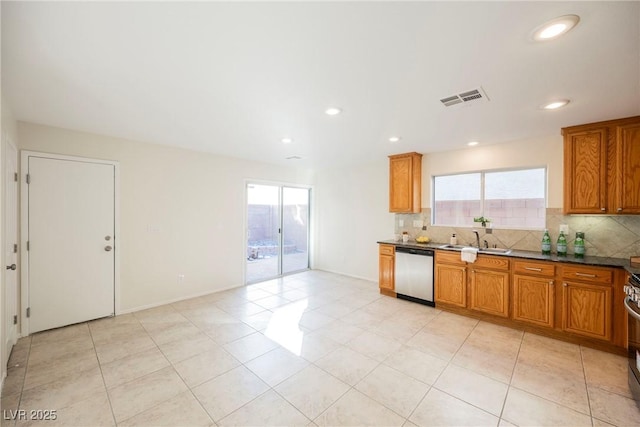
[(483, 173)]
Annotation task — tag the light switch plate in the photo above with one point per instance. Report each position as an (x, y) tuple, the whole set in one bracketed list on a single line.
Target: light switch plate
[(564, 228), (401, 222)]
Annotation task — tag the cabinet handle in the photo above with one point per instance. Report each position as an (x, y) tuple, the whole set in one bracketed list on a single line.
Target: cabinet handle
[(551, 282), (593, 276), (603, 209), (619, 209), (533, 269), (565, 284)]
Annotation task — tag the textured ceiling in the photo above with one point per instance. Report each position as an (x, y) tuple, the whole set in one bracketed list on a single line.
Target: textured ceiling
[(233, 78)]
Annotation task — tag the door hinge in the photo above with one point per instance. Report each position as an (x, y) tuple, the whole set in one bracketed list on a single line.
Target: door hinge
[(15, 319), (28, 179), (27, 245), (15, 176), (15, 248), (28, 311)]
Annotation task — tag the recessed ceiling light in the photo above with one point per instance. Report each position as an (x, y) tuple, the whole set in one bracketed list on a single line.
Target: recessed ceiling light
[(555, 104), (555, 28), (333, 111), (287, 140), (394, 139), (472, 143)]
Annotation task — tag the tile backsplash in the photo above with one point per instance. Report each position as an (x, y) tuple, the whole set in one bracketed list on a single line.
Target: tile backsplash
[(606, 236)]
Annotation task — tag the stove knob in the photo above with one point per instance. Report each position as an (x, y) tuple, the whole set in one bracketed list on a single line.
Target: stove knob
[(627, 289), (635, 297)]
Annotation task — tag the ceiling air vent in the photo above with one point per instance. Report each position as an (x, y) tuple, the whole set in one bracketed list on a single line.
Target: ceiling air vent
[(473, 95)]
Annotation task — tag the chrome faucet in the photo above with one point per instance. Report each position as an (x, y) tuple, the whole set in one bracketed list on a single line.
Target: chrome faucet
[(486, 244), (477, 238)]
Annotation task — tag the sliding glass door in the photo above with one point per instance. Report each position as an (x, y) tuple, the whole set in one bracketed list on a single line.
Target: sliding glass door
[(277, 231)]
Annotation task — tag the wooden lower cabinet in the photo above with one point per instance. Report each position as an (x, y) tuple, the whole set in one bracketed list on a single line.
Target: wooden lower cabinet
[(386, 269), (533, 300), (586, 309), (489, 292), (451, 284)]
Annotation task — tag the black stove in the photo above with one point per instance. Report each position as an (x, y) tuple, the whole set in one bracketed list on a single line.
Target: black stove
[(632, 304)]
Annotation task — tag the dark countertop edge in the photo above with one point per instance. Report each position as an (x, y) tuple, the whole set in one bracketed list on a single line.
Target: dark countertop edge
[(588, 260)]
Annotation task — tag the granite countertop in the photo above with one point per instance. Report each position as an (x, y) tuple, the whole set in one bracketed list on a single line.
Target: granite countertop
[(587, 260)]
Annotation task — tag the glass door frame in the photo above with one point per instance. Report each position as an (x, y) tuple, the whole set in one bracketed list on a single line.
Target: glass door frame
[(281, 186)]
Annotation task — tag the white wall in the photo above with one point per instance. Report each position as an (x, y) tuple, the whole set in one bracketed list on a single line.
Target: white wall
[(352, 213), (353, 209), (546, 151), (182, 212)]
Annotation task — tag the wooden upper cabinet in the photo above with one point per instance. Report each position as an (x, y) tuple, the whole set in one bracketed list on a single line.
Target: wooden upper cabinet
[(585, 171), (602, 167), (405, 183), (628, 188)]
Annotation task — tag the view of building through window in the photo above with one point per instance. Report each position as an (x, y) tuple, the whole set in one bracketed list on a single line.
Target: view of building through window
[(509, 199)]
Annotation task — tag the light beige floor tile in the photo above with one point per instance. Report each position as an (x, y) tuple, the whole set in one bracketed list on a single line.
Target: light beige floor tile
[(400, 331), (253, 293), (48, 353), (14, 381), (228, 392), (315, 346), (185, 347), (313, 320), (347, 365), (271, 302), (244, 310), (205, 366), (552, 384), (416, 364), (505, 423), (63, 391), (19, 356), (9, 404), (250, 347), (157, 313), (606, 371), (269, 409), (204, 316), (496, 363), (92, 410), (146, 392), (409, 424), (295, 294), (524, 409), (182, 410), (438, 345), (164, 332), (547, 353), (393, 389), (312, 390), (613, 408), (476, 389), (441, 409), (114, 332), (335, 310), (224, 333), (114, 350), (131, 367), (354, 408), (259, 321), (276, 366), (340, 331), (374, 346), (60, 335), (111, 322)]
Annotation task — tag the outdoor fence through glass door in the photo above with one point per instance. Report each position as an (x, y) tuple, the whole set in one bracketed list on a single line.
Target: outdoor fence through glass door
[(277, 231)]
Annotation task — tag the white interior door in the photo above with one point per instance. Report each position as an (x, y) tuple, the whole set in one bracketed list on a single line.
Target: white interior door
[(71, 241), (11, 250)]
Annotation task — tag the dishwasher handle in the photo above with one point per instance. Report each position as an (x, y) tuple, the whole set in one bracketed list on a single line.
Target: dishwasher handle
[(412, 251)]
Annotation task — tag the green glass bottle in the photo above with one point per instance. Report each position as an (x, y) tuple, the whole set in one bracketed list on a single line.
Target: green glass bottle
[(562, 245), (579, 245), (546, 243)]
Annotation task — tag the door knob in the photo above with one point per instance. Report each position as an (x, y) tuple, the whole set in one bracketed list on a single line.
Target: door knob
[(12, 267), (107, 248)]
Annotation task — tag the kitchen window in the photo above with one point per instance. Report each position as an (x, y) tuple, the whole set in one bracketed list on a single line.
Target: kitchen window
[(508, 198)]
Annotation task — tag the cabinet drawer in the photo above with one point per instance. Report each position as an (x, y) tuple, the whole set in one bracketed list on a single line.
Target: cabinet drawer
[(449, 257), (587, 274), (492, 262), (534, 268), (387, 249)]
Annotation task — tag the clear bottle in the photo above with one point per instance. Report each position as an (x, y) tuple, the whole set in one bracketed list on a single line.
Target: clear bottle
[(454, 239), (578, 246), (546, 243), (562, 245)]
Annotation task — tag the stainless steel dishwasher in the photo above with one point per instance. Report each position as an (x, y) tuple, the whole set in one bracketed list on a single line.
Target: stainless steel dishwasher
[(414, 275)]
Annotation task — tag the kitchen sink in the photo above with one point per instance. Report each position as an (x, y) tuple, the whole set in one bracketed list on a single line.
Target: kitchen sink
[(500, 251), (495, 250)]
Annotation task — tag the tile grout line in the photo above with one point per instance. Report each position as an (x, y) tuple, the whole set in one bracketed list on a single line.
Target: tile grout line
[(513, 371), (104, 383)]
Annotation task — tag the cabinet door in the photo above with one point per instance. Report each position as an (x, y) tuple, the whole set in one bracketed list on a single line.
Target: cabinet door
[(489, 292), (386, 272), (628, 160), (533, 300), (586, 309), (451, 284), (405, 176), (585, 172)]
